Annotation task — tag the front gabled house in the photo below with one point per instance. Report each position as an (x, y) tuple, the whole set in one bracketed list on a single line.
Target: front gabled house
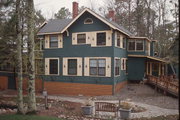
[(92, 55)]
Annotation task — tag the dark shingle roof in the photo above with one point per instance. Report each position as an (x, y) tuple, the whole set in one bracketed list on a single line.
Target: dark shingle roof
[(57, 25), (54, 25)]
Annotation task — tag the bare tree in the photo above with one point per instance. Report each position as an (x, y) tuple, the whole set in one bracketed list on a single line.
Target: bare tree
[(19, 59), (31, 67)]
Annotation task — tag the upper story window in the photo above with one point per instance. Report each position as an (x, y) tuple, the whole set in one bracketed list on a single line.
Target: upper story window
[(53, 41), (139, 44), (135, 45), (81, 38), (101, 38), (72, 66), (97, 67), (88, 21), (124, 42), (131, 45), (53, 66), (118, 40)]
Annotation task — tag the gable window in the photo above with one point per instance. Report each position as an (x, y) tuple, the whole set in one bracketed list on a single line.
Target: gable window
[(72, 66), (101, 38), (139, 44), (53, 66), (53, 41), (88, 21), (97, 67), (131, 45), (117, 67), (81, 38), (124, 42)]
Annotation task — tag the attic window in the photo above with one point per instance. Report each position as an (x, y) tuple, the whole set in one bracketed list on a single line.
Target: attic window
[(88, 21)]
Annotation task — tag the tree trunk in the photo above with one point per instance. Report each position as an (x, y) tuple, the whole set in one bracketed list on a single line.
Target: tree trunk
[(19, 59), (31, 67)]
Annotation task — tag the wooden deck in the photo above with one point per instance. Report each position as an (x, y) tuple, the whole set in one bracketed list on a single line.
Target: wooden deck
[(167, 83)]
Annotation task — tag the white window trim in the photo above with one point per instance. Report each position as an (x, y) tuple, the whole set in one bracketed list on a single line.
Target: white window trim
[(49, 65), (115, 66), (123, 59)]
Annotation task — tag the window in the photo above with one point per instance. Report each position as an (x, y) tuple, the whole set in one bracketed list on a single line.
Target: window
[(124, 42), (139, 44), (53, 65), (117, 66), (118, 40), (88, 21), (123, 64), (97, 67), (101, 38), (72, 66), (131, 45), (81, 38), (136, 45), (53, 41)]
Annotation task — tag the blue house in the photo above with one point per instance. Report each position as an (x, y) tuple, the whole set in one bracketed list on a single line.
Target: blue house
[(92, 55)]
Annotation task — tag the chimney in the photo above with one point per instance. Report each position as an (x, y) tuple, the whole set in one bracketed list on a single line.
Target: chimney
[(111, 15), (75, 9)]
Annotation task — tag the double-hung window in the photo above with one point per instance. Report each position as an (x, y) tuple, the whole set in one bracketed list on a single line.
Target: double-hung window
[(118, 40), (97, 67), (53, 66), (101, 39), (124, 42), (131, 45), (53, 41), (117, 67), (81, 38), (139, 44), (72, 66)]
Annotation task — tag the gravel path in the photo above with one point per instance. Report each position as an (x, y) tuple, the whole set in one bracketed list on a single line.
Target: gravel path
[(144, 94)]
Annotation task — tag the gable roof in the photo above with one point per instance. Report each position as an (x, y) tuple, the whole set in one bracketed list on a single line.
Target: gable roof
[(54, 26), (61, 25)]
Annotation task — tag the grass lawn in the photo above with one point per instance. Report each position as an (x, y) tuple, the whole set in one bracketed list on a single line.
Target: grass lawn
[(26, 117)]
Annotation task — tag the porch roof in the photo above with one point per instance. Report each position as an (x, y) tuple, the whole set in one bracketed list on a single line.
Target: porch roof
[(149, 57)]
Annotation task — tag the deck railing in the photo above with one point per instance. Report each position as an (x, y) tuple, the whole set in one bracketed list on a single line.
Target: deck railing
[(167, 83)]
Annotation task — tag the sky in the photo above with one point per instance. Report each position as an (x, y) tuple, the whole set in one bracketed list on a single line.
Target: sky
[(50, 7)]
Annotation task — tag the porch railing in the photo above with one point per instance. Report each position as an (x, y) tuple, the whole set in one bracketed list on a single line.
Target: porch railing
[(166, 83)]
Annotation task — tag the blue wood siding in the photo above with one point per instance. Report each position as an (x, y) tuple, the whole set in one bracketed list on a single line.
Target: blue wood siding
[(136, 68)]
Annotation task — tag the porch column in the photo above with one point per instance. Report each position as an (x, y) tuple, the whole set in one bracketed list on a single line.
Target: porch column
[(150, 68), (147, 72), (159, 69)]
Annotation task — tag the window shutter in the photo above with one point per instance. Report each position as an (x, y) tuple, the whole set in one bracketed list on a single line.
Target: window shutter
[(65, 66), (115, 39), (108, 38), (93, 39), (86, 66), (88, 38), (74, 38), (79, 66), (108, 67), (47, 41), (121, 41), (60, 41), (46, 66)]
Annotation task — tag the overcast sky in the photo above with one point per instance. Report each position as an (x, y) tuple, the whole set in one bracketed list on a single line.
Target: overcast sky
[(49, 7)]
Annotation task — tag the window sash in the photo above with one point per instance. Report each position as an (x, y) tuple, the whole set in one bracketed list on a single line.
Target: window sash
[(72, 66), (53, 41), (97, 67), (101, 38), (131, 45), (124, 42), (117, 66), (118, 40), (139, 45), (81, 38), (53, 66)]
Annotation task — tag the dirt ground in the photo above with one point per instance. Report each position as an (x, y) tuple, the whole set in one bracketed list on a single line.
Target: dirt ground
[(144, 94)]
